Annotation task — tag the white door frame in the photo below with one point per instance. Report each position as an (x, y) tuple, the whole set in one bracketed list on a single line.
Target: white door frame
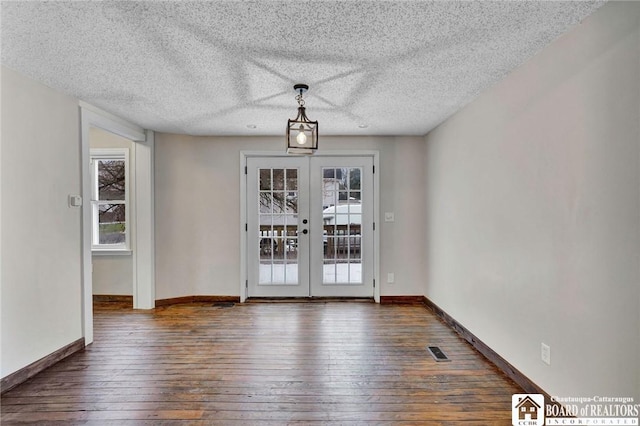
[(142, 219), (243, 211)]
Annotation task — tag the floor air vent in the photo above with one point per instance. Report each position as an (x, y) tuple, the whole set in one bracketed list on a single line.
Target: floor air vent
[(223, 305), (437, 354)]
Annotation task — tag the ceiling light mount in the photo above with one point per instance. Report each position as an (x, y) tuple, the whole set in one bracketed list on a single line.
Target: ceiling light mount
[(302, 133), (302, 88)]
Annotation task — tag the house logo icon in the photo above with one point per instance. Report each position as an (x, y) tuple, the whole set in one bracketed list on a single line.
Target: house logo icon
[(527, 409)]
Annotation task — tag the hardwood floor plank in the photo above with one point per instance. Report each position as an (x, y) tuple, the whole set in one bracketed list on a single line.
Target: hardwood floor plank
[(266, 363)]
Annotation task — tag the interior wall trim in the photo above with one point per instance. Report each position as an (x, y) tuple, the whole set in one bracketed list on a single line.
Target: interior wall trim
[(402, 300), (196, 299), (25, 373), (502, 364), (113, 298)]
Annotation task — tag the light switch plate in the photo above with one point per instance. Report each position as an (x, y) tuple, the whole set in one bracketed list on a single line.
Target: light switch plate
[(75, 201), (389, 217)]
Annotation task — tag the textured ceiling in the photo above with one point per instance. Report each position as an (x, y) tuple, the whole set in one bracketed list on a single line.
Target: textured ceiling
[(215, 67)]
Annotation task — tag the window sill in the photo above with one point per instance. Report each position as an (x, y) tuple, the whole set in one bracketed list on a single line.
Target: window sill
[(111, 252)]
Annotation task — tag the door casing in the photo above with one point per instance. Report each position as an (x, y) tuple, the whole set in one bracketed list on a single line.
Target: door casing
[(244, 220), (142, 219)]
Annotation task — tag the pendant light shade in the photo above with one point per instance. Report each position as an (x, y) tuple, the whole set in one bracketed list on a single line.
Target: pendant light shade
[(302, 133)]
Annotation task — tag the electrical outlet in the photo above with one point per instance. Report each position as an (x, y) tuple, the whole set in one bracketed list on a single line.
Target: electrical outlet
[(545, 353), (391, 278)]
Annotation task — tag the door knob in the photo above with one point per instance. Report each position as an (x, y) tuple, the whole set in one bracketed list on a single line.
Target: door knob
[(305, 221), (304, 231)]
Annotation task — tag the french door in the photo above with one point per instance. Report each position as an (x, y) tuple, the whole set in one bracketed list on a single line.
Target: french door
[(310, 226)]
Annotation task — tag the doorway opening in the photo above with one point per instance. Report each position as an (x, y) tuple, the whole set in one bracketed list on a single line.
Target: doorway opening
[(310, 226), (140, 219), (112, 201)]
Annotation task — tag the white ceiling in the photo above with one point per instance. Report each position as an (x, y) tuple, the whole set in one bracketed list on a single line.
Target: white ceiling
[(215, 67)]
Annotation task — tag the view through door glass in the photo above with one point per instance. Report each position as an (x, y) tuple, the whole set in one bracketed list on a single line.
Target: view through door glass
[(342, 220), (278, 217)]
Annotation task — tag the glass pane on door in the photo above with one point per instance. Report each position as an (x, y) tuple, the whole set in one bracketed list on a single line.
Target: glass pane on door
[(277, 239), (342, 222)]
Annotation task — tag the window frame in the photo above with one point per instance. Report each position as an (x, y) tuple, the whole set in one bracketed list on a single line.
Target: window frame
[(95, 155)]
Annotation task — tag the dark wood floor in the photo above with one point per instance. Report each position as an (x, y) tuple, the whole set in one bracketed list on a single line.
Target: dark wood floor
[(266, 363)]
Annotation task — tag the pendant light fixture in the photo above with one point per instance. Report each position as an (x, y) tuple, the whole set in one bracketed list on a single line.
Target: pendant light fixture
[(302, 133)]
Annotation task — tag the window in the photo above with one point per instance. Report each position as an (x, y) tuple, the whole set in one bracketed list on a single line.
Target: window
[(110, 199)]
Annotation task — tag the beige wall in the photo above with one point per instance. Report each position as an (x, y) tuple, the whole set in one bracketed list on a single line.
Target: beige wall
[(41, 251), (533, 204), (113, 274), (198, 211)]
